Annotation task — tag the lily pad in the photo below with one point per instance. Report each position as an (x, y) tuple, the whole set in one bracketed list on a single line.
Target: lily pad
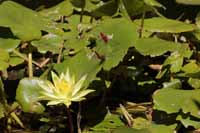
[(189, 2), (113, 43), (49, 42), (25, 23), (64, 8), (9, 44), (173, 100), (155, 46), (27, 94), (109, 123), (158, 24), (78, 65)]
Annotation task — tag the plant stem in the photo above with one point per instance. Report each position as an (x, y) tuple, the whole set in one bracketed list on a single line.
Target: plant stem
[(81, 17), (71, 127), (25, 58), (60, 53), (127, 116), (30, 67), (79, 118), (142, 24)]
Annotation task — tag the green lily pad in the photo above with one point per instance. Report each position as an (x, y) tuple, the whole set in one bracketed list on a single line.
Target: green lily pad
[(154, 46), (49, 42), (107, 9), (176, 62), (15, 60), (194, 82), (158, 24), (25, 23), (173, 100), (113, 43), (109, 123), (189, 2), (135, 7), (27, 94), (9, 44), (64, 8), (188, 121), (84, 62), (153, 128), (4, 58)]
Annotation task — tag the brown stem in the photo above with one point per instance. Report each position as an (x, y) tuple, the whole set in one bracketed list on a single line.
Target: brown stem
[(142, 24), (24, 57), (81, 17), (71, 127), (79, 118), (44, 62)]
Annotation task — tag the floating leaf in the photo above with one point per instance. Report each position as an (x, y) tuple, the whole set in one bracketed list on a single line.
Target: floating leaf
[(154, 46), (153, 128), (64, 8), (15, 60), (153, 3), (49, 42), (189, 2), (113, 43), (194, 82), (25, 23), (188, 122), (4, 58), (78, 3), (27, 94), (173, 100), (158, 24), (191, 67), (135, 7), (9, 44), (176, 62), (107, 9), (78, 65), (110, 122)]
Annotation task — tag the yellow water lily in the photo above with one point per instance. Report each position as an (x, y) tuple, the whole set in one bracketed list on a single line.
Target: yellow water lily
[(64, 89)]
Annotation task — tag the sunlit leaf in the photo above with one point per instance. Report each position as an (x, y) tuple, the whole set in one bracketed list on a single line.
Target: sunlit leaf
[(9, 44), (113, 43), (109, 123), (25, 23), (189, 2), (78, 65), (188, 121), (158, 24), (49, 42), (176, 62), (64, 8), (154, 46), (173, 100), (135, 7), (4, 58), (153, 128), (153, 3), (27, 94)]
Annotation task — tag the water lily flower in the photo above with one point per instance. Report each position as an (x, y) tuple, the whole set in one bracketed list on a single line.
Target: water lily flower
[(64, 89)]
